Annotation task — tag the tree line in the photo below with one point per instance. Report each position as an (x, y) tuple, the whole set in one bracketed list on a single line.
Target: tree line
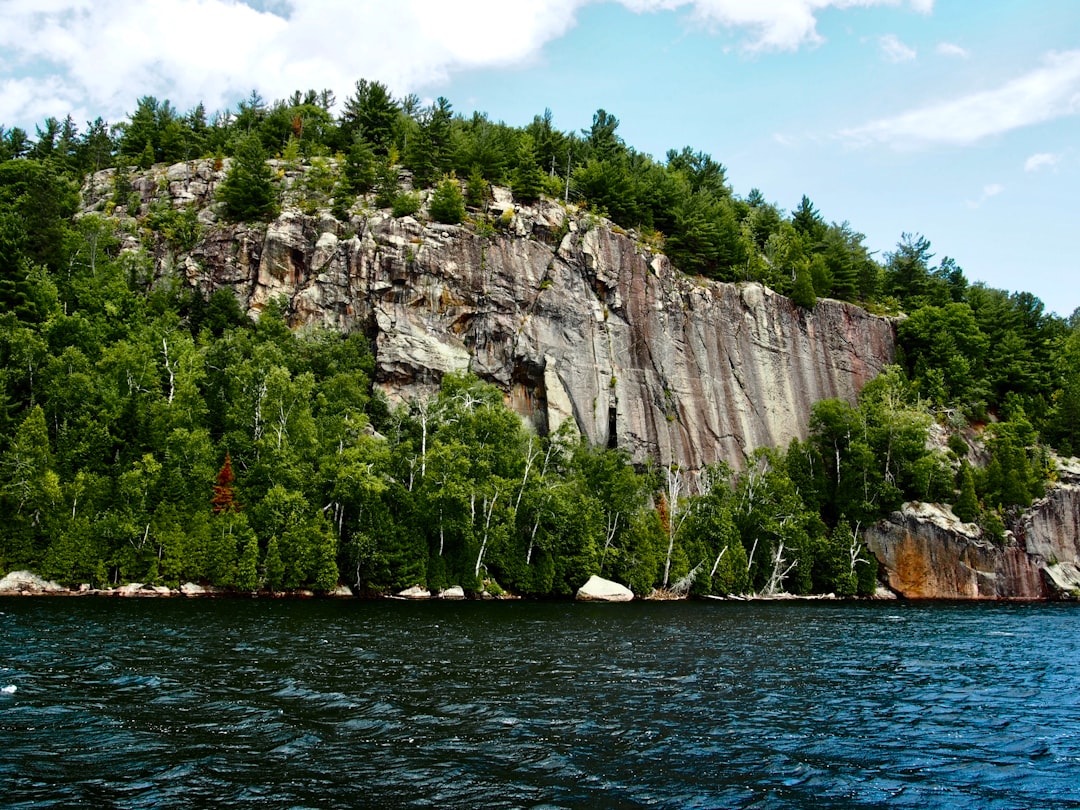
[(150, 434)]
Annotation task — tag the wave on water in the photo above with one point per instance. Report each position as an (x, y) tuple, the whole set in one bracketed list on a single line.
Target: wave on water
[(335, 705)]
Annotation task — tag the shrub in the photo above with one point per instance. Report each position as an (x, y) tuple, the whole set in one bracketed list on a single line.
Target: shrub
[(406, 204), (447, 205)]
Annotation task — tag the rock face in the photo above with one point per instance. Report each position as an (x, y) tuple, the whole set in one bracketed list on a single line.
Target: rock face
[(603, 590), (925, 552), (573, 318)]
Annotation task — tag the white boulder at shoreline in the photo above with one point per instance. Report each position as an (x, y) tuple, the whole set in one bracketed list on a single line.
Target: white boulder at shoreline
[(598, 589), (27, 582)]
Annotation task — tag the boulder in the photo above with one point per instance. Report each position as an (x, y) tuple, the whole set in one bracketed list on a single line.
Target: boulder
[(453, 592), (340, 592), (27, 582), (191, 589), (415, 592), (598, 589)]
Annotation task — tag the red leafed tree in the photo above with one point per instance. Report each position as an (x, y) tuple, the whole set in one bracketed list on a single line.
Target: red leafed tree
[(223, 500)]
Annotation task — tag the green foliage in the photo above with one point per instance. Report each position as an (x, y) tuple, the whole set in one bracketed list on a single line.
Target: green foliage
[(967, 503), (122, 391), (179, 227), (406, 204), (803, 292), (528, 179), (371, 115), (248, 192), (477, 189), (447, 205)]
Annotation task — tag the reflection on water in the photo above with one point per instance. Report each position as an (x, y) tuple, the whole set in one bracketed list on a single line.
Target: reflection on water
[(178, 703)]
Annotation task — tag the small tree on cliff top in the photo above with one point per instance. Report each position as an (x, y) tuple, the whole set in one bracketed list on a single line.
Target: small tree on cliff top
[(247, 190)]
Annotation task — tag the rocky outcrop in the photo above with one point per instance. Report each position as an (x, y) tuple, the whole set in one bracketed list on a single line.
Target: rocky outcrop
[(598, 589), (26, 582), (925, 552), (573, 318)]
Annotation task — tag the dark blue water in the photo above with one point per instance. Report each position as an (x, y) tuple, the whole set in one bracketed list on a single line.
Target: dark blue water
[(230, 703)]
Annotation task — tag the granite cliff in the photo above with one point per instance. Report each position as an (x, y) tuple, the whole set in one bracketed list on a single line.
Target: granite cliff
[(572, 317), (925, 552)]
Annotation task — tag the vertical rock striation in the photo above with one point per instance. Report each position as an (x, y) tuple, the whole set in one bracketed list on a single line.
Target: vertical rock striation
[(573, 318)]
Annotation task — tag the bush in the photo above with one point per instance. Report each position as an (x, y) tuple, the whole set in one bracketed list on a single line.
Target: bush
[(406, 204), (447, 205)]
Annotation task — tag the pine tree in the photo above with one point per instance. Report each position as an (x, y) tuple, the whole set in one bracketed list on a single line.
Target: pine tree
[(274, 567), (247, 190), (247, 568), (446, 204), (803, 292), (477, 190), (967, 504), (528, 180)]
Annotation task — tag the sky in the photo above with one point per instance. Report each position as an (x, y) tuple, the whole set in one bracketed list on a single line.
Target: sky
[(952, 119)]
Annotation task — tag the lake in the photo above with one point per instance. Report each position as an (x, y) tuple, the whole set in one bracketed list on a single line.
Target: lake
[(340, 704)]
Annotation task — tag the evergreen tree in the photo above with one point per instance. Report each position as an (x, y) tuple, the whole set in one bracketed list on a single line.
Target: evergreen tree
[(248, 191), (371, 114), (802, 294), (967, 504), (447, 204), (477, 190), (528, 181)]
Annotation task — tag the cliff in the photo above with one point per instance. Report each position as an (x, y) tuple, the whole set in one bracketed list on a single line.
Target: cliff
[(573, 318), (925, 552)]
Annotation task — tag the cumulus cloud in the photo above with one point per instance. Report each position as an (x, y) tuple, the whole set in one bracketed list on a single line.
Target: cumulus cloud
[(893, 50), (1047, 93), (1041, 160), (775, 24), (989, 190), (79, 56), (952, 49)]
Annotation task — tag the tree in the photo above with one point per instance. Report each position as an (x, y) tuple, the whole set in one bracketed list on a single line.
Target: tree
[(248, 191), (967, 504), (224, 499), (603, 143), (371, 114), (802, 294), (808, 222), (528, 180), (29, 491), (907, 269), (447, 205)]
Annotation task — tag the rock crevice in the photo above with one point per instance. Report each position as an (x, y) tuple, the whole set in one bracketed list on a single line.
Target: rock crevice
[(590, 325)]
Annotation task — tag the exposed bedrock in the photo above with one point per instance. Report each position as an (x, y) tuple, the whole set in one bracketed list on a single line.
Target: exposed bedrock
[(572, 317), (925, 552)]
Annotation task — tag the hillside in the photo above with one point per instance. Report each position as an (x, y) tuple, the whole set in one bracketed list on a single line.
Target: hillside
[(286, 373)]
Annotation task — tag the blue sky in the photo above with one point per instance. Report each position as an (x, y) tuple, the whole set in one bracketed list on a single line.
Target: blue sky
[(950, 118)]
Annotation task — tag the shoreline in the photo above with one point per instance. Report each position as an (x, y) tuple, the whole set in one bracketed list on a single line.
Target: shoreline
[(27, 584)]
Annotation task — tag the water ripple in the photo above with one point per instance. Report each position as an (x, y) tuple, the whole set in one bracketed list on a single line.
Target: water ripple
[(358, 704)]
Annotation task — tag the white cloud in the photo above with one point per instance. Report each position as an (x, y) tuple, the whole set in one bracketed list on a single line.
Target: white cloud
[(990, 190), (65, 56), (893, 50), (1041, 160), (952, 49), (782, 25), (1049, 92)]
